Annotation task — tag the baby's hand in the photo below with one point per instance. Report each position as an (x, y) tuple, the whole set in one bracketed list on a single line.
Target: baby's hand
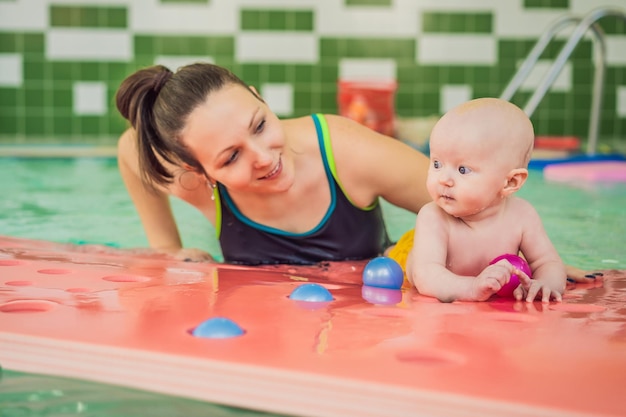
[(531, 288), (491, 279)]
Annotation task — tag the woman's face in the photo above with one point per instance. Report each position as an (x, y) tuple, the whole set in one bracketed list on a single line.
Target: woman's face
[(239, 142)]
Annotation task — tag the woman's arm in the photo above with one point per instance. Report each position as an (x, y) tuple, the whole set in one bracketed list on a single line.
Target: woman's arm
[(153, 206), (370, 165)]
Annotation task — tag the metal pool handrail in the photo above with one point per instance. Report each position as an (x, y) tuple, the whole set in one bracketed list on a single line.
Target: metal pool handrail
[(596, 102), (535, 53)]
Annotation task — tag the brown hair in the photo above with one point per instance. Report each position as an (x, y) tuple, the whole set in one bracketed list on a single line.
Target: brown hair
[(157, 103)]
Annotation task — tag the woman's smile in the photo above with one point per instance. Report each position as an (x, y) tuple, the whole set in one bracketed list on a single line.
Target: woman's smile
[(274, 172)]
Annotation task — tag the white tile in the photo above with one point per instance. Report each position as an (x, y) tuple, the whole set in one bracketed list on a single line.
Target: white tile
[(517, 22), (216, 17), (279, 97), (621, 101), (24, 15), (173, 62), (451, 96), (358, 69), (334, 18), (282, 47), (616, 50), (90, 98), (89, 44), (586, 6), (11, 70), (457, 50)]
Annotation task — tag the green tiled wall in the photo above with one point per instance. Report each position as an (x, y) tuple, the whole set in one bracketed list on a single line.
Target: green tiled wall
[(95, 17), (457, 22), (277, 20), (41, 108)]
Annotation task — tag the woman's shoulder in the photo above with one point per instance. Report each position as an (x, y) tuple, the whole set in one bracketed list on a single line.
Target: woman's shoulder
[(127, 147)]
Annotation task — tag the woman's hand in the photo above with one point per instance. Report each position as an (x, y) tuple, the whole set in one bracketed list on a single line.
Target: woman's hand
[(578, 275), (193, 255)]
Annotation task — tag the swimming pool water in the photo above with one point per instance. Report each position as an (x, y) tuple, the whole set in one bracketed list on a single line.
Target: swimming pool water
[(83, 200), (32, 395)]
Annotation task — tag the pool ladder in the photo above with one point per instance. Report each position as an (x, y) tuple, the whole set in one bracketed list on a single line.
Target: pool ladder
[(582, 26)]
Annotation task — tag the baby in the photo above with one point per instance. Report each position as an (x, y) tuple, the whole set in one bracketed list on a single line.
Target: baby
[(479, 153)]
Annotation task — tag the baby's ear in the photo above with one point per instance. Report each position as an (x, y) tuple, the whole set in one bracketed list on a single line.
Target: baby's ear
[(515, 179)]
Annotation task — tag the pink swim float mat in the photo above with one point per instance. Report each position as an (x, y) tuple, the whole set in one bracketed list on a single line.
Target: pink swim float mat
[(105, 315), (593, 171)]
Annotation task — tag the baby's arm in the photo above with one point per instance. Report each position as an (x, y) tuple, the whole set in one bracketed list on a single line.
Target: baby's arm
[(549, 273), (426, 265)]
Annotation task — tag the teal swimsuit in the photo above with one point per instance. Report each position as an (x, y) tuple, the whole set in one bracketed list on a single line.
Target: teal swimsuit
[(346, 232)]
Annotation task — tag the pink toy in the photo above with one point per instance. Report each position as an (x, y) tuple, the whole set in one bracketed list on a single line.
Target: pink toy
[(518, 262), (595, 171)]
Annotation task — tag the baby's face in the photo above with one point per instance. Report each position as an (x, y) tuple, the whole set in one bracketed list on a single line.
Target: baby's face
[(467, 170)]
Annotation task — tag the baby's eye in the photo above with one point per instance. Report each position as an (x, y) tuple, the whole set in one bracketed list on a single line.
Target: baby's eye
[(464, 170), (260, 127), (436, 164)]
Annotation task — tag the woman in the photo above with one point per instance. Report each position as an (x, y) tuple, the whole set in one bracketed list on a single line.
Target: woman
[(296, 191)]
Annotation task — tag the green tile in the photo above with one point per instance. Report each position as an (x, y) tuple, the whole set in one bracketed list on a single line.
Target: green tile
[(329, 73), (222, 46), (546, 4), (303, 73), (34, 97), (34, 70), (64, 70), (443, 22), (34, 123), (90, 71), (368, 2), (406, 73), (328, 101), (32, 43), (186, 1), (62, 98), (88, 17), (251, 73), (63, 125), (330, 47), (374, 48), (197, 45), (249, 19), (117, 17), (277, 73), (184, 45), (9, 42), (89, 125), (276, 20), (8, 96), (169, 45), (8, 123), (302, 98), (116, 124), (301, 21), (144, 44), (613, 25)]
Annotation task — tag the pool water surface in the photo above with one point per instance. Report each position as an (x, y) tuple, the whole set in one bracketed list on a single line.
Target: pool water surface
[(83, 200)]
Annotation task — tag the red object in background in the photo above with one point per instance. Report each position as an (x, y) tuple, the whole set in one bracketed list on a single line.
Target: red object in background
[(562, 143), (371, 103)]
